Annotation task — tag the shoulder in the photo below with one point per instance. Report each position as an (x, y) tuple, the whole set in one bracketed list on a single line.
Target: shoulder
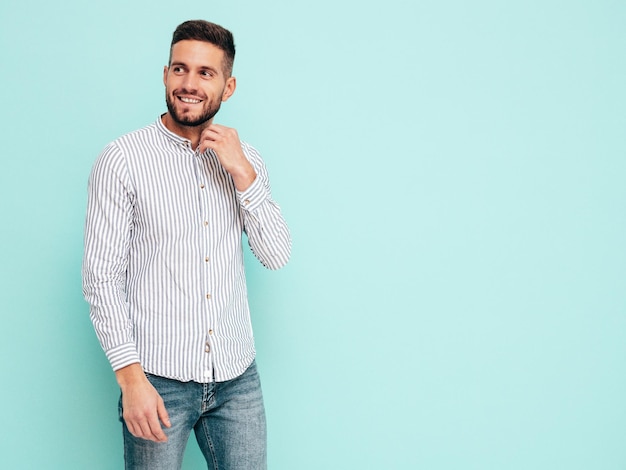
[(133, 145), (115, 154), (138, 140)]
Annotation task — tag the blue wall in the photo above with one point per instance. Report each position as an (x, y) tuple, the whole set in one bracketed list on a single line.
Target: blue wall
[(453, 175)]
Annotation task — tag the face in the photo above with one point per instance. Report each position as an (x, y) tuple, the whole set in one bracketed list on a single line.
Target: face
[(195, 83)]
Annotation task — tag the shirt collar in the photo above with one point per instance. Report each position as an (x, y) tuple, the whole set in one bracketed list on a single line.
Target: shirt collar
[(169, 134)]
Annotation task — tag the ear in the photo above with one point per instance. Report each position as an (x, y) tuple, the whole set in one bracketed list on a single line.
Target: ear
[(165, 70), (229, 89)]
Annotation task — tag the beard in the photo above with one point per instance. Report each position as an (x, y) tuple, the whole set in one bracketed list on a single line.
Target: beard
[(209, 110)]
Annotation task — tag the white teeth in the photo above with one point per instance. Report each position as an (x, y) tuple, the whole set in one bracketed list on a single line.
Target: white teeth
[(189, 100)]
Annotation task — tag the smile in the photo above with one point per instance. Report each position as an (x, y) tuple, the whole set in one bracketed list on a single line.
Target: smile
[(189, 100)]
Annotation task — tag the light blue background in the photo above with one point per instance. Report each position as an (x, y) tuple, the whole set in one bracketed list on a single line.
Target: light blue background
[(453, 176)]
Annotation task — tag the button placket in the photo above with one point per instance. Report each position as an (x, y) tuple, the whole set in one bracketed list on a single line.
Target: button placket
[(204, 194)]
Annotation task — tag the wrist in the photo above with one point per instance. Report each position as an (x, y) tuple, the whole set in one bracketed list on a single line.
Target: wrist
[(129, 375), (243, 177)]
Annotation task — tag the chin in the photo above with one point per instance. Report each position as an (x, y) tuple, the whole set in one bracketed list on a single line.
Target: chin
[(189, 121)]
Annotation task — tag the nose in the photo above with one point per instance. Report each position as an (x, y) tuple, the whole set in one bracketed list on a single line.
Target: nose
[(190, 84)]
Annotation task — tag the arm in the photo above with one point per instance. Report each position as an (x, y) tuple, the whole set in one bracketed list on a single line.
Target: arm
[(268, 234), (107, 233), (108, 227)]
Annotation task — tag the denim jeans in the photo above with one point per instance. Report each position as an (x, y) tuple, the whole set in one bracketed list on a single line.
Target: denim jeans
[(228, 419)]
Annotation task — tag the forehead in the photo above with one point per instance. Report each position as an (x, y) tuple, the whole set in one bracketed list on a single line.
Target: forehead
[(197, 54)]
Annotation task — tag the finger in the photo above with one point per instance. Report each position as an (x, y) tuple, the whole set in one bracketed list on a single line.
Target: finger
[(222, 132), (139, 429), (132, 429), (149, 431), (163, 414), (206, 144), (212, 132), (148, 428), (144, 431), (218, 128), (208, 139), (133, 425), (154, 429)]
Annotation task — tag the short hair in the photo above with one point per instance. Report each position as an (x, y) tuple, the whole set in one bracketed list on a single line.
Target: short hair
[(201, 30)]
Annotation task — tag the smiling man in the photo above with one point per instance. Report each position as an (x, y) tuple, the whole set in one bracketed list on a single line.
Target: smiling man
[(163, 267)]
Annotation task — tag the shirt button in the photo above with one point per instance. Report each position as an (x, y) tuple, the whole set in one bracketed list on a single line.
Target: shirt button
[(208, 296), (210, 332), (206, 258), (207, 347), (206, 222), (246, 202), (202, 186)]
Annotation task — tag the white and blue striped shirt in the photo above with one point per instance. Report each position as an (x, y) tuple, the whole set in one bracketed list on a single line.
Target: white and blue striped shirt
[(163, 267)]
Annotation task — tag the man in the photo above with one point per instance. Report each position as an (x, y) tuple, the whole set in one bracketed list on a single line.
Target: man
[(163, 268)]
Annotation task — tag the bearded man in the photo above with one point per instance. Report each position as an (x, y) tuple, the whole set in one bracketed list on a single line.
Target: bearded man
[(163, 267)]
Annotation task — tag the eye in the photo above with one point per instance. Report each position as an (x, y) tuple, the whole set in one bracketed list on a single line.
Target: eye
[(207, 74), (178, 69)]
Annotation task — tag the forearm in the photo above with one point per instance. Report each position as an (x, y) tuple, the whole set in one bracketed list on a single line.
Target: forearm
[(268, 234), (108, 309), (243, 176), (267, 231)]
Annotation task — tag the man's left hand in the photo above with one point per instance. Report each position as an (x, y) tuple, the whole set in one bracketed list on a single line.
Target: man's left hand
[(224, 141)]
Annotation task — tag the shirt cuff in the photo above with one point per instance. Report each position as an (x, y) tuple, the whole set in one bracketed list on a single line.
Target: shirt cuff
[(122, 356), (254, 196)]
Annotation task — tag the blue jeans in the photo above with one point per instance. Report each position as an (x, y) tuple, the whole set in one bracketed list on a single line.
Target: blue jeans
[(228, 419)]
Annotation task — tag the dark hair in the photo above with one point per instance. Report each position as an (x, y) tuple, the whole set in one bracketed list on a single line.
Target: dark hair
[(200, 30)]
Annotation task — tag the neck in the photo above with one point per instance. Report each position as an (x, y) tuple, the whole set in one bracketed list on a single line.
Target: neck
[(191, 133)]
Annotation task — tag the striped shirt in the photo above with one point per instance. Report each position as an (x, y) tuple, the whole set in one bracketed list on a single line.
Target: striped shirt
[(163, 267)]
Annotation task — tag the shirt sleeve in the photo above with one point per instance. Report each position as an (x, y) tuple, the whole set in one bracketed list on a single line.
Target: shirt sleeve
[(267, 231), (108, 228)]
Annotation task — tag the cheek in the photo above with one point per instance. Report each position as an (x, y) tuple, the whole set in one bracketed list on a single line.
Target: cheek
[(172, 83)]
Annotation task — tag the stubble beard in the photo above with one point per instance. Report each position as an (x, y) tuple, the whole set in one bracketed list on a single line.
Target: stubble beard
[(189, 120)]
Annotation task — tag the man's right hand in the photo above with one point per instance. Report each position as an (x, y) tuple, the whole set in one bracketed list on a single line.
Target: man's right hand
[(143, 407)]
